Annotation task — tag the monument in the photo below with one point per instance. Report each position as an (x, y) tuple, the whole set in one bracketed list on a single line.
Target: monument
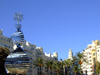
[(17, 62)]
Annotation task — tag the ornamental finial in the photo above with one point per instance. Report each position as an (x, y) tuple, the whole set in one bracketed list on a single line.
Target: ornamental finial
[(18, 17)]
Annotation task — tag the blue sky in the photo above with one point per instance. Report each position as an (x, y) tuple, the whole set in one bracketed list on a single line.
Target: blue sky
[(55, 25)]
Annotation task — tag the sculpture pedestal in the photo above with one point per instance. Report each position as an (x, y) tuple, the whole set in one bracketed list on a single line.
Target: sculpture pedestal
[(17, 62)]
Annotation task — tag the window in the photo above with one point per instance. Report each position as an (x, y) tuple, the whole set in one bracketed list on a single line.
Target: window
[(90, 57), (93, 54), (90, 53), (31, 48), (9, 46), (90, 63), (91, 67), (8, 40), (23, 47), (94, 60), (98, 54), (5, 45)]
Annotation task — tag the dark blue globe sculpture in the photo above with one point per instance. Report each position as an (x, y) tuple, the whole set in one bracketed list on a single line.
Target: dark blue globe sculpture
[(17, 62)]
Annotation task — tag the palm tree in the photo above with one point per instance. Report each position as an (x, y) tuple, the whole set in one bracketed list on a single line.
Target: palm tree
[(62, 66), (73, 61), (49, 64), (57, 66), (39, 63), (3, 55), (75, 69), (68, 63), (81, 58)]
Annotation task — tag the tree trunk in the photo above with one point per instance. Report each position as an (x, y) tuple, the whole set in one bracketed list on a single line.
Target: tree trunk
[(67, 71), (40, 70), (75, 73), (50, 71), (62, 71), (80, 69)]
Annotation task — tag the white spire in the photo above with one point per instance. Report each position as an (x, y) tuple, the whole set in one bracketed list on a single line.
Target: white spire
[(70, 54)]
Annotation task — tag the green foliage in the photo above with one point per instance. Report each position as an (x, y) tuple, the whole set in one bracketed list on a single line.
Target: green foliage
[(75, 59), (68, 62), (81, 57), (58, 67), (38, 62), (49, 64), (4, 52), (3, 55), (75, 69), (98, 67)]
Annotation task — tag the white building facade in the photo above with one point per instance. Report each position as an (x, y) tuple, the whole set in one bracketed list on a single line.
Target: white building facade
[(92, 53), (5, 41)]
